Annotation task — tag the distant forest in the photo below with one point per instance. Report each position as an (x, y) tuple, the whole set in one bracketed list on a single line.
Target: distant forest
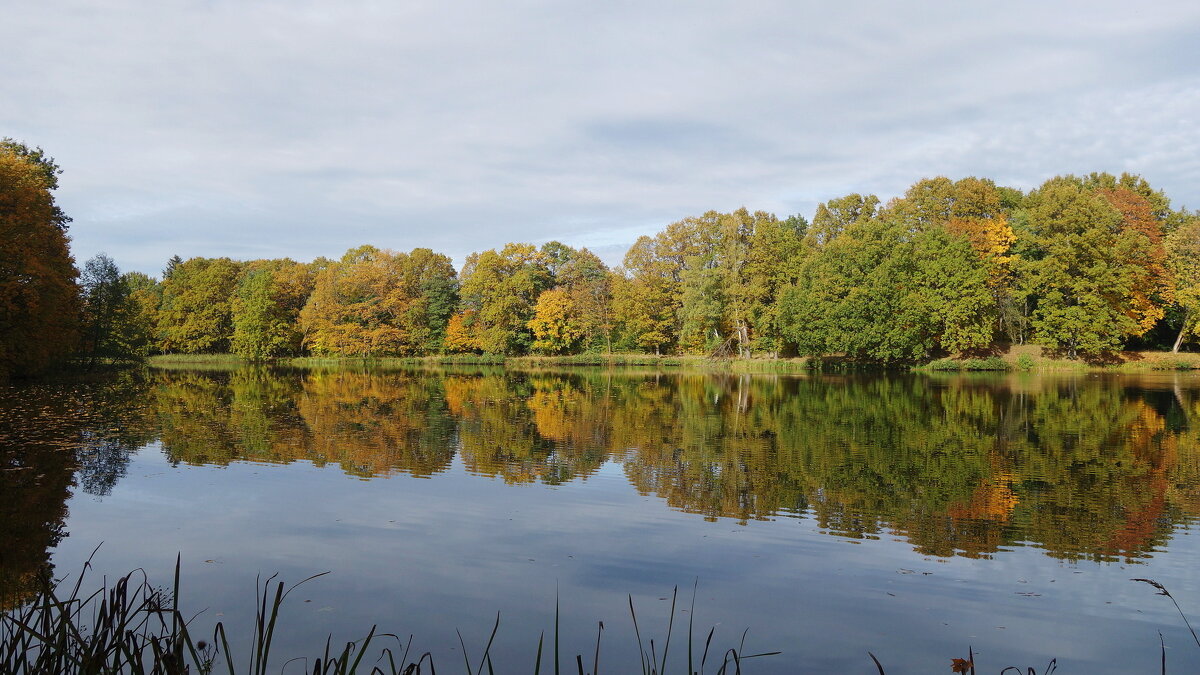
[(1083, 266)]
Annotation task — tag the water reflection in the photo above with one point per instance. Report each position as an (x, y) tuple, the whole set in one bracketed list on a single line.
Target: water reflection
[(54, 436), (1093, 468)]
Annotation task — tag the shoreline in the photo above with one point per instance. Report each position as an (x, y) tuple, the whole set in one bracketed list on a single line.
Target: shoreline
[(1018, 359)]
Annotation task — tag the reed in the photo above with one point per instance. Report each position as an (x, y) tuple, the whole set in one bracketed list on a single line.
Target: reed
[(134, 627)]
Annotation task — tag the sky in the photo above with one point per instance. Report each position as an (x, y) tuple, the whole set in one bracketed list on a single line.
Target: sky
[(273, 128)]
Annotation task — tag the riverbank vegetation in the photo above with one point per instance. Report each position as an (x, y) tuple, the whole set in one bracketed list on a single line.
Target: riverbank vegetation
[(1086, 266), (137, 627)]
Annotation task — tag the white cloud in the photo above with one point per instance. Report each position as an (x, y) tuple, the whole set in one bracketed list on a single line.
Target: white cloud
[(303, 128)]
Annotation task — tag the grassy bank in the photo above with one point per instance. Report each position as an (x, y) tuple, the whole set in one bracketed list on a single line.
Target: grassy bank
[(1020, 358), (1033, 358), (192, 361)]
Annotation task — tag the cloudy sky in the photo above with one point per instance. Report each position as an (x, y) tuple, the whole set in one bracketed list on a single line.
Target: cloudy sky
[(269, 128)]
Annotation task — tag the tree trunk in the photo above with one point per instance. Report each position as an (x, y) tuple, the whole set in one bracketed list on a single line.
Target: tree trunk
[(1182, 329), (743, 338)]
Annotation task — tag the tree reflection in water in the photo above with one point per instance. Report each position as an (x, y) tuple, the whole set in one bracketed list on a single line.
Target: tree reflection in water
[(1085, 468)]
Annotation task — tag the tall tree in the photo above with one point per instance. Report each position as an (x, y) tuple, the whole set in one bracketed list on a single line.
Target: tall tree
[(1151, 286), (172, 263), (111, 328), (259, 329), (39, 299), (776, 251), (556, 324), (1087, 270), (145, 296), (644, 298), (1183, 248), (971, 208)]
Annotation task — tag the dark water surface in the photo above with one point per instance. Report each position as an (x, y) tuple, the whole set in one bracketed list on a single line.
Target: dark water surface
[(910, 516)]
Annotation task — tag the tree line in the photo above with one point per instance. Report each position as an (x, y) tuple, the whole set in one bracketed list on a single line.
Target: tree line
[(1082, 265)]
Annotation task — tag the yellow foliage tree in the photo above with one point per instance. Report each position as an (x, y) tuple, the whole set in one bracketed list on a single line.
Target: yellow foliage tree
[(556, 324), (379, 303), (460, 334)]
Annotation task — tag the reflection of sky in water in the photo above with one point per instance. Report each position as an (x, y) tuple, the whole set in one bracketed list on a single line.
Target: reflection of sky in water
[(430, 556)]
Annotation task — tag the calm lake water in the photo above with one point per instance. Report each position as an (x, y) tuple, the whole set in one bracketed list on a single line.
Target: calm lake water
[(911, 516)]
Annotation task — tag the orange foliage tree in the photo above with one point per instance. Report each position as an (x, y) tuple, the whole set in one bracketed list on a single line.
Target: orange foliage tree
[(1151, 286), (39, 298)]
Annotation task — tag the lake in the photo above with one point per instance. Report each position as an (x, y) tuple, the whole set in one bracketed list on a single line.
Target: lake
[(912, 516)]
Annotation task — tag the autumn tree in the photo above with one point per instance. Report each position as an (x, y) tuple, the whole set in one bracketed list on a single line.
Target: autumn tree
[(556, 324), (576, 313), (380, 303), (501, 289), (588, 283), (39, 299), (1151, 285), (460, 337)]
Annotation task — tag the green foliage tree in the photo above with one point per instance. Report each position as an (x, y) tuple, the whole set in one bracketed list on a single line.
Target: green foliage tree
[(112, 326), (196, 314), (775, 253), (588, 283), (644, 300), (702, 301), (835, 215), (266, 314), (145, 295), (972, 208), (878, 292), (707, 280), (259, 330), (172, 263), (1087, 269), (39, 298)]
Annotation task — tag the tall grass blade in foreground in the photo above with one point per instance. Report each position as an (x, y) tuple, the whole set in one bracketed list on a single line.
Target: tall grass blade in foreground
[(1162, 590), (133, 627)]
